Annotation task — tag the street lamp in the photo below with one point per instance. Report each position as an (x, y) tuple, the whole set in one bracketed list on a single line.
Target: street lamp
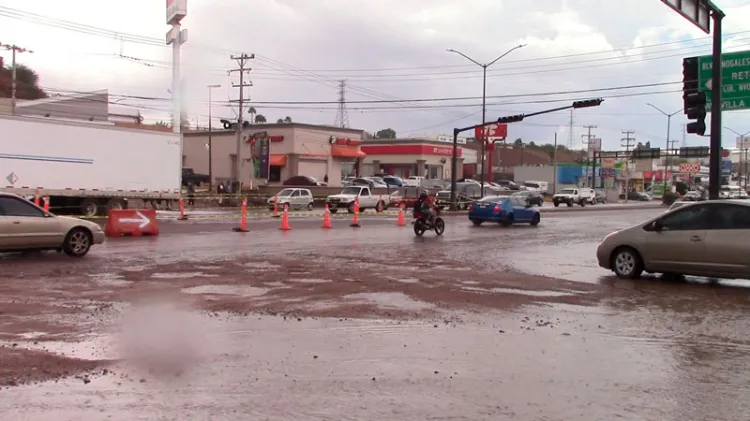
[(743, 150), (210, 149), (669, 121), (484, 97)]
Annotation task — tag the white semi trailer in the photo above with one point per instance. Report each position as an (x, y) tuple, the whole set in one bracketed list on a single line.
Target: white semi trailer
[(86, 168)]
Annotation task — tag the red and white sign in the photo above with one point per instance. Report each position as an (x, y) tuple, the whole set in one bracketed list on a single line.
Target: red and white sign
[(420, 149), (131, 222), (491, 131), (333, 140), (690, 168), (176, 10), (270, 138)]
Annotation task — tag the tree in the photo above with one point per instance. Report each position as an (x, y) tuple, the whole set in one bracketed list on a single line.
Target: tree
[(27, 83), (162, 123), (518, 142), (280, 121), (287, 119), (253, 112), (386, 134), (260, 119)]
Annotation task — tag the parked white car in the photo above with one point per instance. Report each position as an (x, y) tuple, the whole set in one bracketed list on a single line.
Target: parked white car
[(293, 199)]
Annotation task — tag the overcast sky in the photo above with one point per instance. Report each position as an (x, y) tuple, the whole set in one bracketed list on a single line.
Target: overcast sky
[(387, 50)]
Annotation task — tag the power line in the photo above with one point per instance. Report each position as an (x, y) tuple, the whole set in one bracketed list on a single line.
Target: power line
[(140, 39)]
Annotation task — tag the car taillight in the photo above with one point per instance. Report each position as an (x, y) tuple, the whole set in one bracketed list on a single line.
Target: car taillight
[(497, 209), (471, 207)]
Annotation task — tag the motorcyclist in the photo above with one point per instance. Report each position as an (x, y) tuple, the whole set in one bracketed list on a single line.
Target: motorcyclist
[(423, 205)]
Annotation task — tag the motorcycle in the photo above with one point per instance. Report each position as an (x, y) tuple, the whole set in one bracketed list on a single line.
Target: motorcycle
[(421, 224)]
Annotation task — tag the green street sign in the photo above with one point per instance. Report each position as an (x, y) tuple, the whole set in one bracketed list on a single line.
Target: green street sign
[(735, 74)]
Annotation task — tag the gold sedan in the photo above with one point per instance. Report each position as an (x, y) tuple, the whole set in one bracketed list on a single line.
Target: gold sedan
[(25, 226), (702, 239)]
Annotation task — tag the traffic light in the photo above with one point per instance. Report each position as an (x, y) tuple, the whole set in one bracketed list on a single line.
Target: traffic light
[(588, 103), (511, 119), (695, 108), (689, 78)]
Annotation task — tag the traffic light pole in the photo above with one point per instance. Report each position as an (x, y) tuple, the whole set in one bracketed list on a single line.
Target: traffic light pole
[(714, 171), (510, 119)]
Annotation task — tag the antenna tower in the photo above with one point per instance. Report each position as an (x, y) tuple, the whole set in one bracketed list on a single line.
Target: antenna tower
[(342, 117)]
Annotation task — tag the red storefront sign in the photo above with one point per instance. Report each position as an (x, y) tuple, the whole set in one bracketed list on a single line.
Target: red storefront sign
[(270, 138), (333, 140), (491, 130), (410, 150)]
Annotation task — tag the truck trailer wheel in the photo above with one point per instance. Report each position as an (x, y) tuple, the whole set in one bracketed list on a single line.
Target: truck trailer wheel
[(89, 208), (115, 204)]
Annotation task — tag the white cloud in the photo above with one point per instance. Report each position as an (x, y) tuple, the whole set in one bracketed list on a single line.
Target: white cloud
[(304, 47)]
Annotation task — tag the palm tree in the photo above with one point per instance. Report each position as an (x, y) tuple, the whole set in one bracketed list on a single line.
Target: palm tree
[(260, 119), (252, 111)]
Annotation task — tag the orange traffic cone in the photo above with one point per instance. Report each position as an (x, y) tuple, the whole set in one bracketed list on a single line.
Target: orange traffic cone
[(276, 206), (355, 219), (326, 218), (401, 218), (36, 199), (46, 203), (182, 217), (243, 218), (285, 220)]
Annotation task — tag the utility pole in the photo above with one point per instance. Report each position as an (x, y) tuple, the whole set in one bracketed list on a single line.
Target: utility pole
[(629, 143), (570, 131), (13, 90), (587, 142), (242, 63), (554, 167), (210, 145), (669, 161)]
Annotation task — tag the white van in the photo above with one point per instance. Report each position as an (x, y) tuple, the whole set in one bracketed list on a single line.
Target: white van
[(537, 186)]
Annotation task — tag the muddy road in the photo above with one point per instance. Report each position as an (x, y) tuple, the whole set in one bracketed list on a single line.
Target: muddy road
[(371, 323)]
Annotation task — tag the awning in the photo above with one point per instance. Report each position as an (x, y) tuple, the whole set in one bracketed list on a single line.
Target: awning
[(346, 151), (277, 160)]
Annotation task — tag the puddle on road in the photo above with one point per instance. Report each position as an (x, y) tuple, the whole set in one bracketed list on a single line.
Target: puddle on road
[(261, 265), (309, 280), (182, 275), (394, 300), (404, 280), (240, 290), (528, 292), (110, 279)]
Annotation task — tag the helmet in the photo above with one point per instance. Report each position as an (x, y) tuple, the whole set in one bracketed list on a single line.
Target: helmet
[(422, 196)]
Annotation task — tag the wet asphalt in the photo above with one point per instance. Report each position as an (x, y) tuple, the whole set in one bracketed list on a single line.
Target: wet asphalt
[(657, 350)]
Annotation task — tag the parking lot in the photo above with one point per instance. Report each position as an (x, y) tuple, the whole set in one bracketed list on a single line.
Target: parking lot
[(351, 323)]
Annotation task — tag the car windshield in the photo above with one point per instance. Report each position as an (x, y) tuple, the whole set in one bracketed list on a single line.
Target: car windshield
[(532, 185), (567, 191), (351, 190), (286, 192), (313, 179)]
